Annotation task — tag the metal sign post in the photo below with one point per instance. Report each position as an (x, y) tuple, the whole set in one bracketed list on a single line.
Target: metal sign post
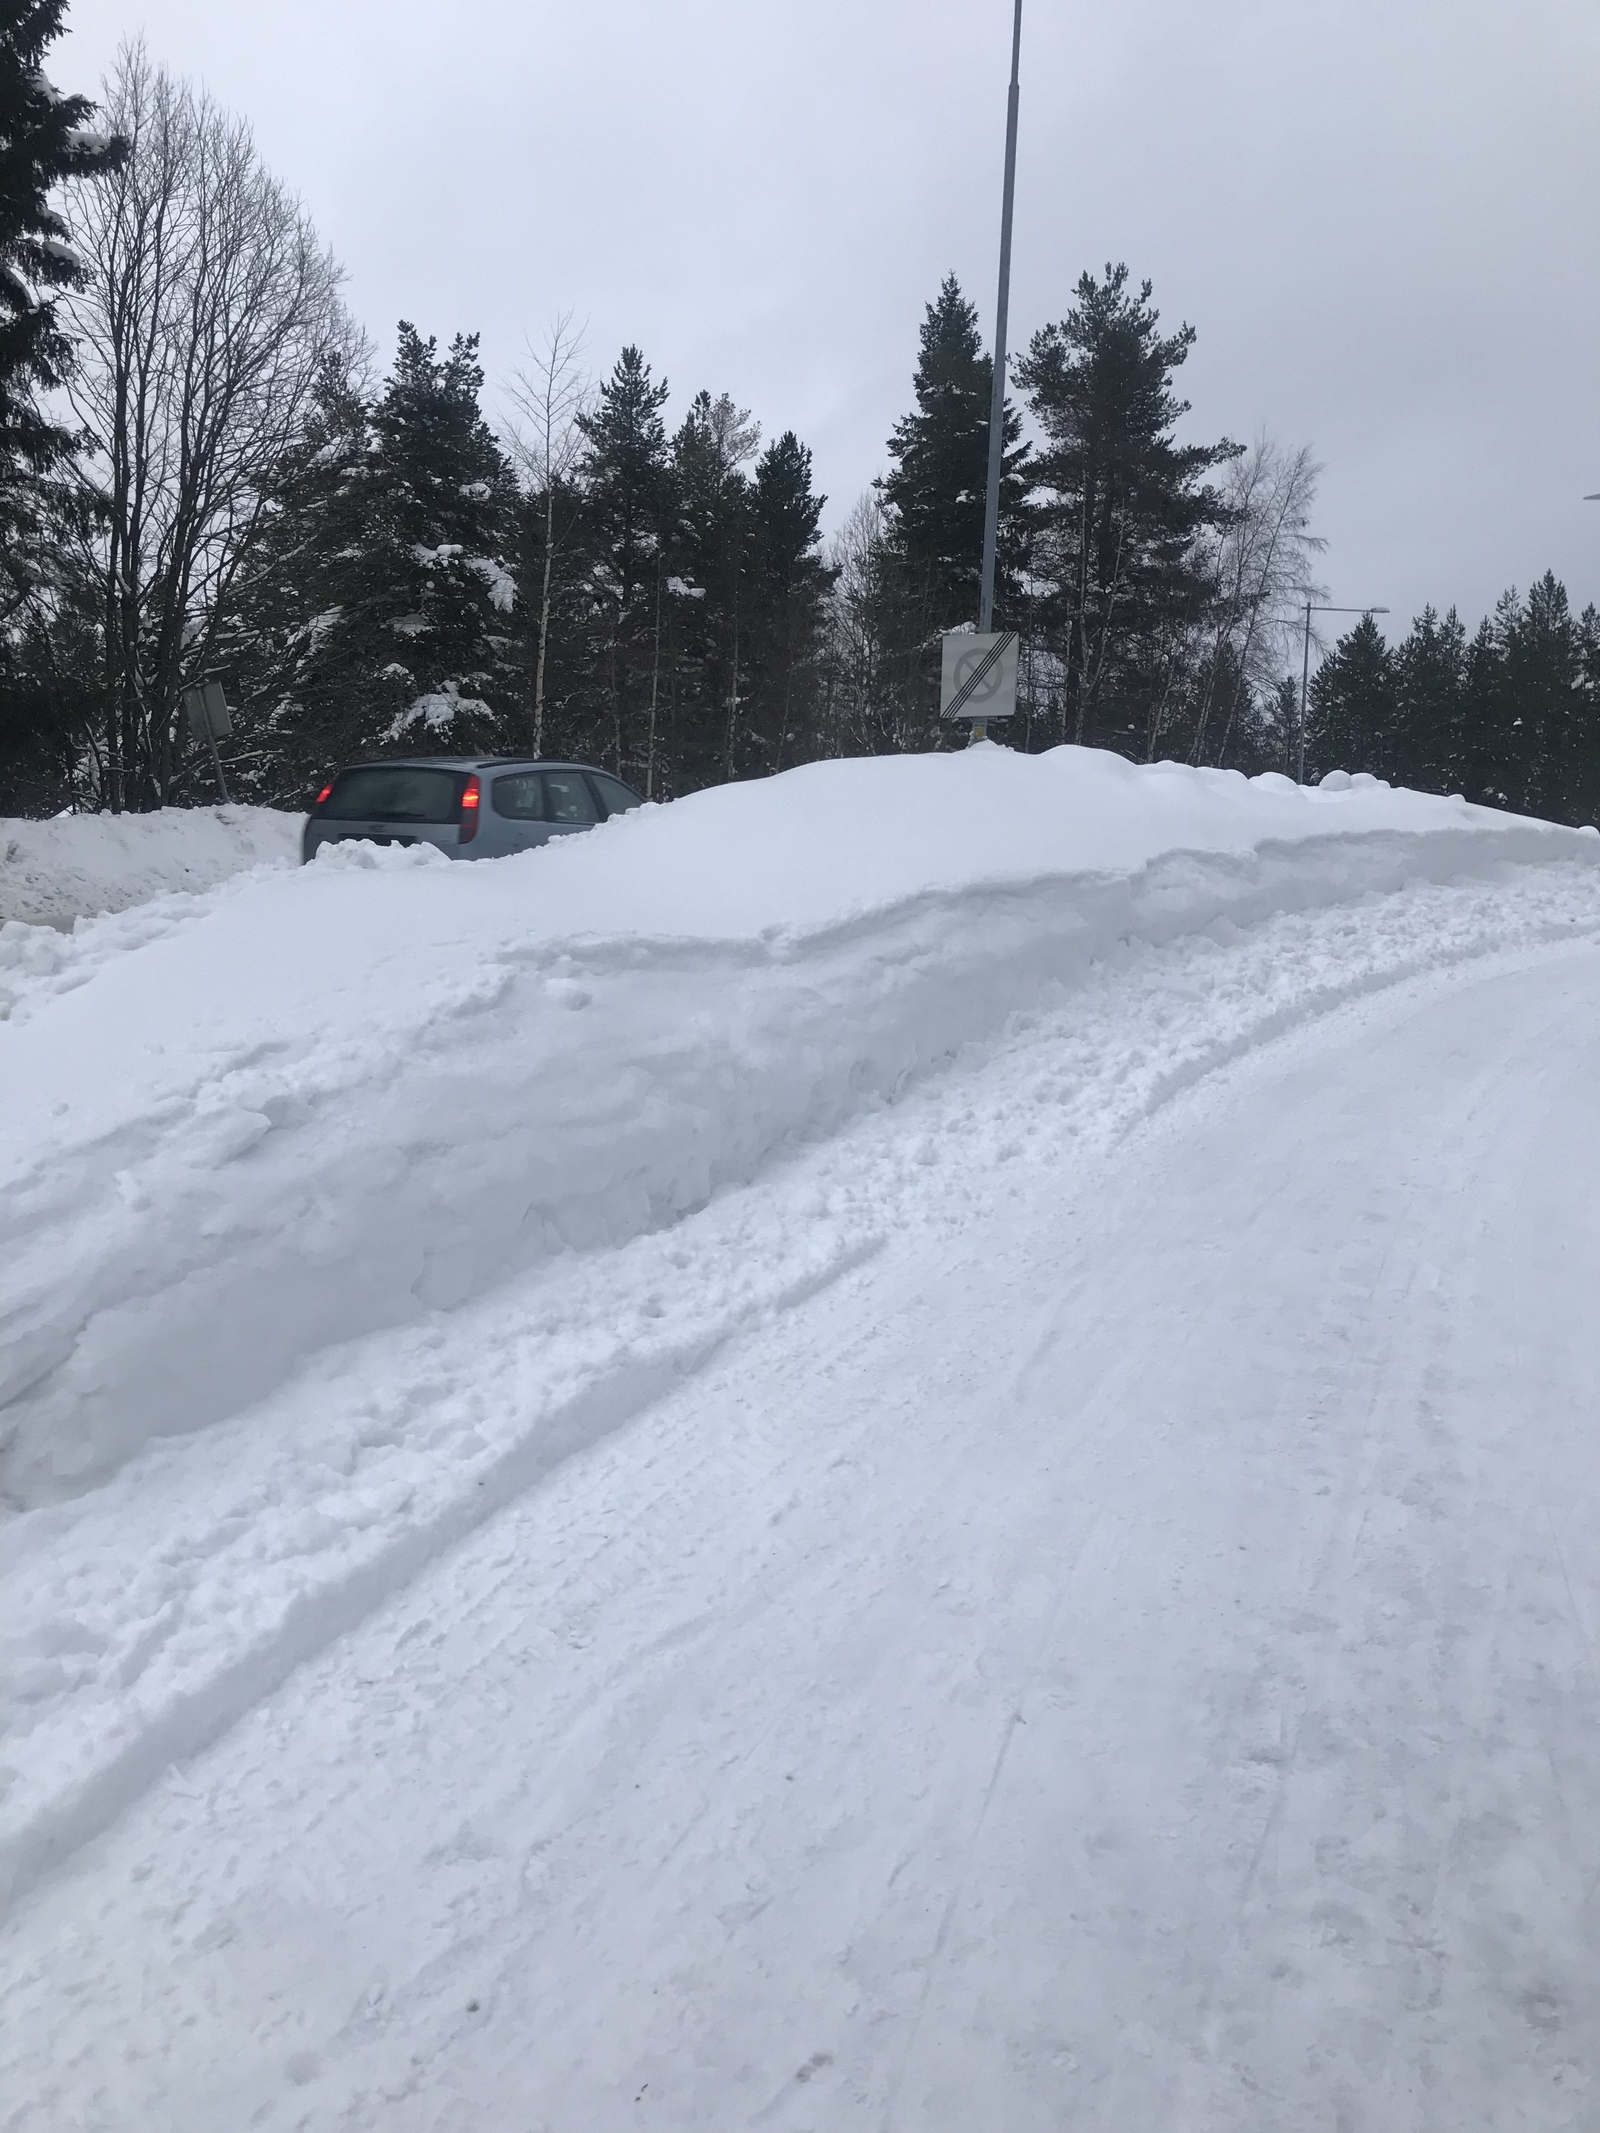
[(997, 398), (205, 709), (978, 677)]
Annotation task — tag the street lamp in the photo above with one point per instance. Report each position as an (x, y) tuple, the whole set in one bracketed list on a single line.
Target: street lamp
[(997, 398), (1314, 608)]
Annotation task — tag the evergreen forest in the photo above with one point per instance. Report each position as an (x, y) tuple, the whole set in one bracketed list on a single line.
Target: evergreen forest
[(203, 472)]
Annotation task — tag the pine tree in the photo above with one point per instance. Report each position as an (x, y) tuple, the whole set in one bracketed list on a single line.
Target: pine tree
[(1122, 505), (936, 485)]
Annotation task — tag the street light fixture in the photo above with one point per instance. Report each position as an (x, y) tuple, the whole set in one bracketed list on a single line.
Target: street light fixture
[(1313, 607)]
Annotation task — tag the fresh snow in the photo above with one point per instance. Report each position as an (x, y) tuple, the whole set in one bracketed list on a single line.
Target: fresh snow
[(77, 865), (738, 1511)]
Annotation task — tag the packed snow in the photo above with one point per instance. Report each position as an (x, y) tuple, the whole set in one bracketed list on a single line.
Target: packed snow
[(74, 866), (675, 1482)]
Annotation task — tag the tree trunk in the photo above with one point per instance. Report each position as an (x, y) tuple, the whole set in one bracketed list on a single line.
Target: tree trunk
[(544, 619)]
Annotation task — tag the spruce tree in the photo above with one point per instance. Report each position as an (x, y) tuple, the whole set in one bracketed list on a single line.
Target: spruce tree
[(377, 614), (445, 505), (1351, 718), (1429, 678), (1544, 678), (935, 488), (1586, 793), (624, 473), (45, 141), (788, 583), (46, 654), (706, 565), (307, 645), (1486, 765)]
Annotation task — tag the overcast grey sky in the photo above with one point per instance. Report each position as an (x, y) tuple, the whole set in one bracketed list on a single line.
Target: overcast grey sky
[(1382, 219)]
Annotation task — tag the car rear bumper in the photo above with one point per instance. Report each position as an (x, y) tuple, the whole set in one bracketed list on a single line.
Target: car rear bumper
[(444, 836)]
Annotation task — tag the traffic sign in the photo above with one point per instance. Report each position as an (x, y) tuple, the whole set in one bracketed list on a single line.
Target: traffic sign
[(978, 675), (206, 709)]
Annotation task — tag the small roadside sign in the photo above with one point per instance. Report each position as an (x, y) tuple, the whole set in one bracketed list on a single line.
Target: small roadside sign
[(978, 676), (205, 711)]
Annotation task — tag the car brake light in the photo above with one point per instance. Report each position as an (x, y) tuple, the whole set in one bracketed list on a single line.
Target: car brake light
[(471, 797), (321, 796)]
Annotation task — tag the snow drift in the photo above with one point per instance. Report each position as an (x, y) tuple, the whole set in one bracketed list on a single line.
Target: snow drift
[(54, 872), (317, 1103)]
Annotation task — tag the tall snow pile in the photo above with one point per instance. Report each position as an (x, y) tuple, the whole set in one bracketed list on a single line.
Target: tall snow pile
[(54, 872)]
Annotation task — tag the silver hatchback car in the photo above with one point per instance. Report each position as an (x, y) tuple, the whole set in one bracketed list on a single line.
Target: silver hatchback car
[(471, 807)]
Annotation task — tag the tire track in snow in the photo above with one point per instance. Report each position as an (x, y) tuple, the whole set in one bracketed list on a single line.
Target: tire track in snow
[(169, 1260), (253, 1547)]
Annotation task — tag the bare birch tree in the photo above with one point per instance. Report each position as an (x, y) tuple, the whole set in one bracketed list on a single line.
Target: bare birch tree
[(209, 309), (1262, 563), (857, 714), (550, 395)]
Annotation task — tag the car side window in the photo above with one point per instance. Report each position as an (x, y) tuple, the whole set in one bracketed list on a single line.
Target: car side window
[(519, 798), (615, 797), (567, 799)]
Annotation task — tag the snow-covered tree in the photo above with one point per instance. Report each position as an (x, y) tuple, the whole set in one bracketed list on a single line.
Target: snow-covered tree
[(378, 614), (444, 505), (46, 142), (47, 667)]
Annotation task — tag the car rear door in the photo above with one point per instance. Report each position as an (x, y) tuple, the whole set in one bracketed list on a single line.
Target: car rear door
[(390, 803)]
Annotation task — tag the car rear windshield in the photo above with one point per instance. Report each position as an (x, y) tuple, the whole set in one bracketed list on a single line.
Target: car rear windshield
[(394, 792)]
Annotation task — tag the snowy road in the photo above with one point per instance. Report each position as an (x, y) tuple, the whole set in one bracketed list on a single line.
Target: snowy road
[(1122, 1660)]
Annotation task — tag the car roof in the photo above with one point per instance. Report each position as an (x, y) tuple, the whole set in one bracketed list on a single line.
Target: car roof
[(469, 762)]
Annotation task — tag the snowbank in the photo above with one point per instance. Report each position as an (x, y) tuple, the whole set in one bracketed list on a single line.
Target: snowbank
[(241, 1127), (283, 1143), (54, 872)]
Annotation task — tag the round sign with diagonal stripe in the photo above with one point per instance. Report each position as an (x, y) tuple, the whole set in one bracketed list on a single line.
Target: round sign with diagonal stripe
[(978, 675)]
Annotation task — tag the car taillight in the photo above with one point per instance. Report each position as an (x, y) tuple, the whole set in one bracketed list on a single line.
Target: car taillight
[(321, 796), (471, 800)]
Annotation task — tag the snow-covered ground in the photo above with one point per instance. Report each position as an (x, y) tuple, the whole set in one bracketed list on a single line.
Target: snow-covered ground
[(730, 1476), (52, 873)]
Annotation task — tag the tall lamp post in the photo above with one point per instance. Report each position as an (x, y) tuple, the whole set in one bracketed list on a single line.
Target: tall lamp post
[(997, 399), (1313, 608)]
